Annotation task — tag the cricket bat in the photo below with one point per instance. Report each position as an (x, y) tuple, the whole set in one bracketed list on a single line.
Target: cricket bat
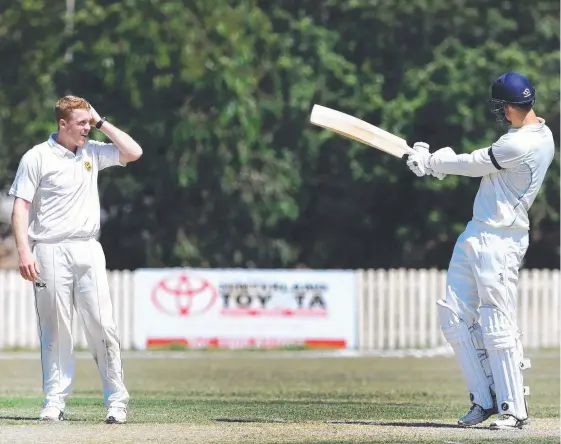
[(364, 132)]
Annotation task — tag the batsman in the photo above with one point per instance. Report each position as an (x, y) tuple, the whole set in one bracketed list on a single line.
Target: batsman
[(478, 313)]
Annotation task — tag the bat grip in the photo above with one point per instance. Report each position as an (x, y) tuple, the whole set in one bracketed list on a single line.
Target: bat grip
[(409, 151)]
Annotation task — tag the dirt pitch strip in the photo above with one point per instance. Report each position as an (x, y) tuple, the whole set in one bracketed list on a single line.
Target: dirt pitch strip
[(262, 397), (543, 431)]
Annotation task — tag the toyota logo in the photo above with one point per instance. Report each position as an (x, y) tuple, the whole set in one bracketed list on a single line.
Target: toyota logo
[(184, 295)]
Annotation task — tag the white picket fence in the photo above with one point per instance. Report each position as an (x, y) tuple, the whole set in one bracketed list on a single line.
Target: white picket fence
[(396, 309), (18, 320)]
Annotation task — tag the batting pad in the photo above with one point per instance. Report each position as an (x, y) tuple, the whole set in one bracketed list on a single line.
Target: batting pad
[(499, 337), (459, 336), (477, 338)]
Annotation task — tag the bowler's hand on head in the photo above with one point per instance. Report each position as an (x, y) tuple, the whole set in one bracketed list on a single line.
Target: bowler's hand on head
[(95, 116)]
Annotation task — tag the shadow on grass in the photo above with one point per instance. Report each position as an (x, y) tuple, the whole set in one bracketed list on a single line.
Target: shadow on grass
[(35, 419), (18, 418), (436, 425), (251, 420)]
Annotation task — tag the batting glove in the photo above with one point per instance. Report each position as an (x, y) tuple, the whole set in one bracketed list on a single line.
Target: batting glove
[(419, 162)]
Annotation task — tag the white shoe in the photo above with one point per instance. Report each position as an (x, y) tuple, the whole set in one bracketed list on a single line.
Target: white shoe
[(507, 422), (116, 415), (51, 413), (476, 415)]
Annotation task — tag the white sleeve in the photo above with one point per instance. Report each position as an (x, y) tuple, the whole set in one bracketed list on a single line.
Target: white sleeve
[(27, 177), (504, 153), (508, 152), (475, 164), (107, 154)]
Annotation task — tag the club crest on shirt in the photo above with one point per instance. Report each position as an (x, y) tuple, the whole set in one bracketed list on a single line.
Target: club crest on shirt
[(88, 165)]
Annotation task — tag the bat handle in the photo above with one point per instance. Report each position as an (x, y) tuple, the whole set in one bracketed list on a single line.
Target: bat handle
[(406, 155)]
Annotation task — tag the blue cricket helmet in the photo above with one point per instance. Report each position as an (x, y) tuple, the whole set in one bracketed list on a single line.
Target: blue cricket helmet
[(511, 88)]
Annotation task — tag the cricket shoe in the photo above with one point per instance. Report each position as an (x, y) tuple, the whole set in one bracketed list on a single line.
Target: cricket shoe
[(477, 415), (51, 413), (116, 415), (507, 422)]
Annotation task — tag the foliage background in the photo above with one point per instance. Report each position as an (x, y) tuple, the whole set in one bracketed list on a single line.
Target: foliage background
[(218, 93)]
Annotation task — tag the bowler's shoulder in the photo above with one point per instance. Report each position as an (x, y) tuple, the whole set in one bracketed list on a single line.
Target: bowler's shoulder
[(36, 152), (94, 145)]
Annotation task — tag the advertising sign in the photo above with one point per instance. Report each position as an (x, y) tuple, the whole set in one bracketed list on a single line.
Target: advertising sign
[(238, 308)]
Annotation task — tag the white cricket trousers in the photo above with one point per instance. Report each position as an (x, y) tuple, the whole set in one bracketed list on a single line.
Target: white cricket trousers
[(478, 316), (484, 271), (73, 276)]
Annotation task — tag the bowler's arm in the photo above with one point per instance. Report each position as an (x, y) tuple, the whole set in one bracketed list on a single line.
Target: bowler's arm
[(129, 149), (20, 222)]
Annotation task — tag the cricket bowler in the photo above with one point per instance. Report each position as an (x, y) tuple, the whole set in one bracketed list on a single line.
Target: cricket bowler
[(56, 220), (478, 313)]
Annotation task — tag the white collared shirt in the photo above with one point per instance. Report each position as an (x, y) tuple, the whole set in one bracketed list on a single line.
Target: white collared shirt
[(62, 188)]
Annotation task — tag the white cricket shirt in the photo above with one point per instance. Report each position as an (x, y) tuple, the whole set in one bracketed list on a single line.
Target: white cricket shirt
[(512, 169), (62, 188)]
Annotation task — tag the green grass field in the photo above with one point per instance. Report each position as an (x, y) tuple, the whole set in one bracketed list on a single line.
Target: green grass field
[(273, 397)]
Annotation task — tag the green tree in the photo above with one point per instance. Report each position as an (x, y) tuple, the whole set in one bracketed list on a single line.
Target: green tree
[(219, 96)]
